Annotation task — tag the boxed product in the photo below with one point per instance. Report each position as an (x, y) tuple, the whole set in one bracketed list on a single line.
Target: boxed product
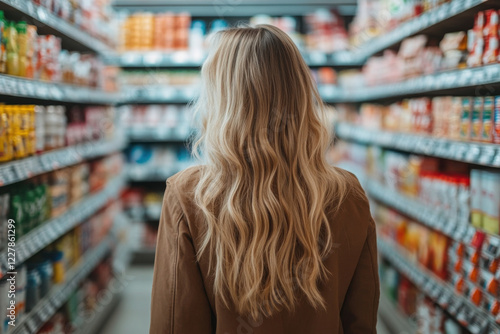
[(496, 121), (466, 118), (477, 118)]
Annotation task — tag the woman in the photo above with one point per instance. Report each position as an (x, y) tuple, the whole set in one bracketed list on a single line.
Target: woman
[(266, 237)]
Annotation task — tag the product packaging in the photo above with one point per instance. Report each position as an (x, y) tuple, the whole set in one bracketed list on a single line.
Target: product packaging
[(487, 119), (490, 184), (496, 122), (476, 119), (466, 118), (476, 196)]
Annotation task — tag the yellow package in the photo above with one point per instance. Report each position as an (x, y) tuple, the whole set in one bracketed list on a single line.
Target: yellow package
[(6, 153), (29, 114), (18, 143)]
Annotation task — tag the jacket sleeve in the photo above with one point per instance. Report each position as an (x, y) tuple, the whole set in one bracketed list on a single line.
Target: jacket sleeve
[(179, 303), (359, 311)]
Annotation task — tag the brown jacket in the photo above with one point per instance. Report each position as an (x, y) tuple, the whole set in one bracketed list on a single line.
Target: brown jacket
[(183, 301)]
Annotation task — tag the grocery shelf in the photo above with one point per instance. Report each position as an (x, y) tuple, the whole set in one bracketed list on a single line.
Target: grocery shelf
[(147, 212), (443, 18), (471, 152), (167, 94), (145, 173), (185, 59), (30, 244), (103, 310), (159, 94), (58, 26), (441, 292), (157, 134), (393, 319), (485, 77), (19, 170), (60, 293), (413, 208), (58, 92)]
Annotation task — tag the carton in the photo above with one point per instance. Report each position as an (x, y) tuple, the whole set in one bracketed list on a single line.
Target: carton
[(490, 184)]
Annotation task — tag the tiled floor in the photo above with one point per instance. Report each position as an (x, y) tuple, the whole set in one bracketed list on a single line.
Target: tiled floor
[(132, 314)]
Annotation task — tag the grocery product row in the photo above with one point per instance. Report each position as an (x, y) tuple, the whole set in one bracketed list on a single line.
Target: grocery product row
[(324, 31), (26, 54), (45, 207), (157, 122), (469, 119), (457, 193), (33, 129), (87, 25)]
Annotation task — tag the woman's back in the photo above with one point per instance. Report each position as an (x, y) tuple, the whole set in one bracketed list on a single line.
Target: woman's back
[(266, 237), (184, 302)]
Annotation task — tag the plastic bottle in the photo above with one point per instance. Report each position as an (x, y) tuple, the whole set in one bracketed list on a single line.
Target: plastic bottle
[(12, 50), (22, 41), (32, 289), (58, 266)]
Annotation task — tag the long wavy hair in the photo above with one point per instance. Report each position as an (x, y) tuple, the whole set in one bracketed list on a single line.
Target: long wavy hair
[(266, 189)]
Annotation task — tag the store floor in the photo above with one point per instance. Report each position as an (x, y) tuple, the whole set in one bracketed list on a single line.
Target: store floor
[(132, 314)]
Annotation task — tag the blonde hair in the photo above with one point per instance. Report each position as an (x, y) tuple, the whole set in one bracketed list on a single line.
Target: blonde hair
[(266, 186)]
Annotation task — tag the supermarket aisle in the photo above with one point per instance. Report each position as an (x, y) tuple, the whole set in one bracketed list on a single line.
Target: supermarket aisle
[(132, 314)]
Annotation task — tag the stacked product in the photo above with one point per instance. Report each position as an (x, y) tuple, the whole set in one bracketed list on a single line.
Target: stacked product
[(420, 55), (92, 16), (470, 266), (29, 129), (50, 266), (33, 202), (325, 31), (429, 317), (462, 194), (166, 117), (26, 54), (147, 31), (459, 118)]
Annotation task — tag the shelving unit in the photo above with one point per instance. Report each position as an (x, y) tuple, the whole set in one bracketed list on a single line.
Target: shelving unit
[(19, 170), (77, 38), (465, 79), (159, 94), (30, 244), (438, 290), (413, 208), (158, 59), (155, 134), (47, 91), (393, 319), (56, 297), (483, 154), (440, 20), (140, 173)]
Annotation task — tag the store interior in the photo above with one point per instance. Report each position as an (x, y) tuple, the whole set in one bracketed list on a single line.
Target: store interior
[(95, 116)]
